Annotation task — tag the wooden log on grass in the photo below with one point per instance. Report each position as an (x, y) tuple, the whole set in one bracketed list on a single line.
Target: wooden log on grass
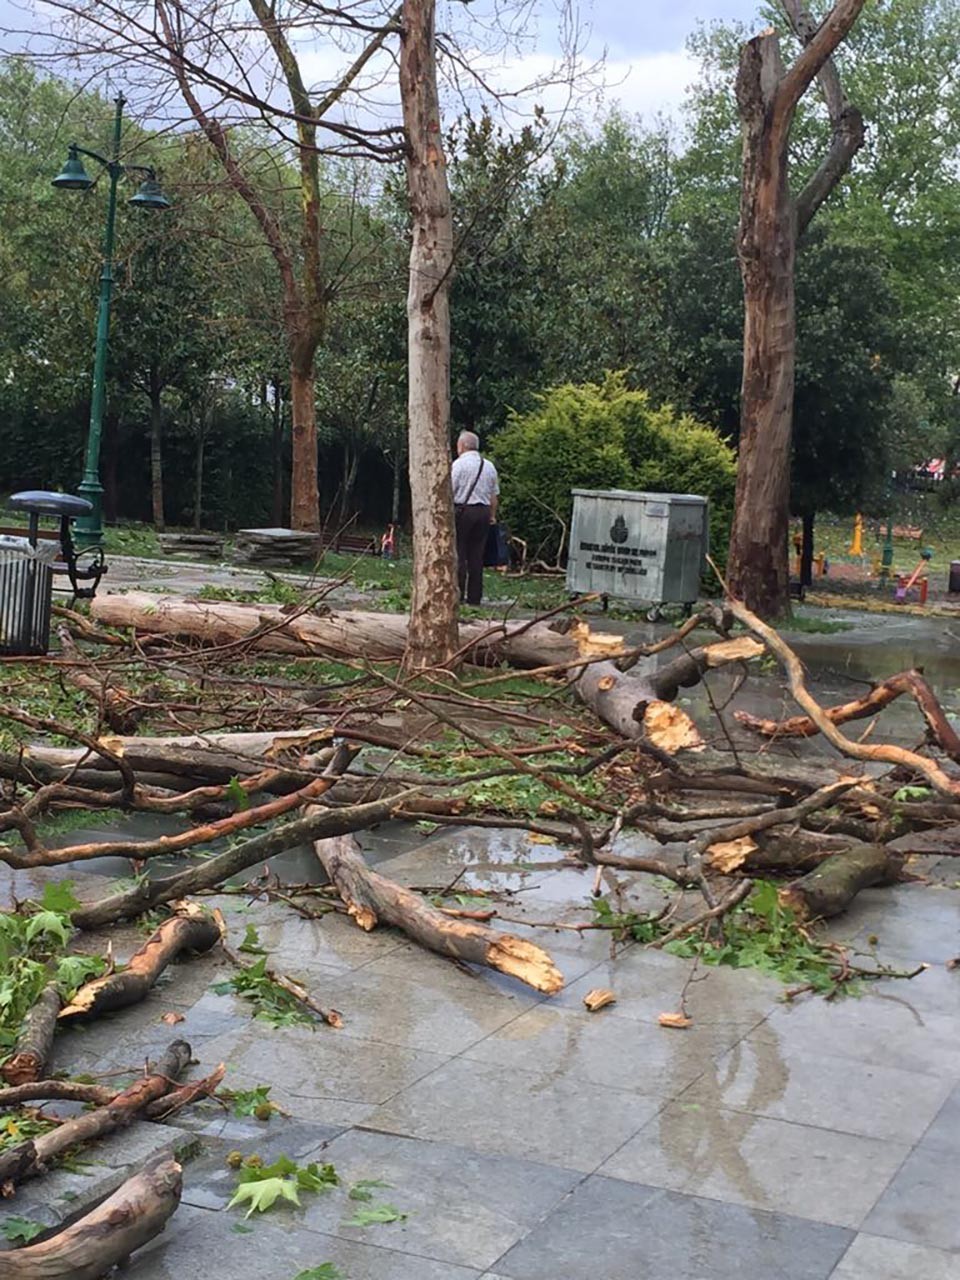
[(30, 1158), (32, 1049), (135, 1213), (828, 890), (191, 931), (371, 899)]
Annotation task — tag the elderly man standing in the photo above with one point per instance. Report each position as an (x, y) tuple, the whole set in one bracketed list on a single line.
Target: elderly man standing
[(476, 488)]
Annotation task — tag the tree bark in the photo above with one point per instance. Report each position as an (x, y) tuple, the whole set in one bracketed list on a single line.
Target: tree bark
[(432, 639), (277, 452), (32, 1050), (767, 97), (190, 930), (806, 549), (156, 449), (372, 898), (304, 485), (829, 890), (27, 1159), (135, 1213)]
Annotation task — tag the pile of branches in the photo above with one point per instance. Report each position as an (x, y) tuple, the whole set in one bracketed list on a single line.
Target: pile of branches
[(264, 728)]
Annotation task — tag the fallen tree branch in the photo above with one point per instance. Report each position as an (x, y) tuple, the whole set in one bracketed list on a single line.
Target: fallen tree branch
[(883, 752), (191, 930), (828, 890), (135, 1213), (32, 1050), (27, 1159), (910, 683), (331, 1017), (318, 824), (371, 898)]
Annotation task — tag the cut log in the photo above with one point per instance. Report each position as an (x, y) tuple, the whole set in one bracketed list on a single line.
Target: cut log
[(829, 890), (351, 633), (32, 1050), (191, 931), (371, 898), (621, 699), (135, 1213), (27, 1159), (214, 871), (910, 683)]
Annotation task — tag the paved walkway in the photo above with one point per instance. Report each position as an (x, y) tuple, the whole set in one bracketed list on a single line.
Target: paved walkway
[(526, 1139)]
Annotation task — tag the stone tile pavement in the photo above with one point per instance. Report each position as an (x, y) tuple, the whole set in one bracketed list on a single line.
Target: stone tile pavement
[(526, 1139)]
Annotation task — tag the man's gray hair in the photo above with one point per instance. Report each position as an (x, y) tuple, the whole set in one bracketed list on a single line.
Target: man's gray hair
[(469, 440)]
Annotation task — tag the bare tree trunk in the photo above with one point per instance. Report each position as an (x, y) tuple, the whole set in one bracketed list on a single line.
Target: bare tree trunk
[(770, 218), (277, 453), (304, 488), (198, 478), (806, 549), (156, 449), (433, 614)]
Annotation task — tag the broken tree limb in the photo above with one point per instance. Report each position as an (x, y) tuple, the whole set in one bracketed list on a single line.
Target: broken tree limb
[(910, 683), (352, 633), (55, 1091), (830, 888), (371, 899), (192, 930), (32, 1050), (136, 1212), (722, 908), (621, 699), (882, 752), (204, 834), (27, 1159), (318, 824)]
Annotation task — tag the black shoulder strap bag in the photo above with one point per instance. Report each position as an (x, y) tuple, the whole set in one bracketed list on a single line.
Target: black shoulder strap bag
[(476, 479)]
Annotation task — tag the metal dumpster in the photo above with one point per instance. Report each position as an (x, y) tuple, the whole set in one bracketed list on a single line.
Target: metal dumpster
[(647, 548)]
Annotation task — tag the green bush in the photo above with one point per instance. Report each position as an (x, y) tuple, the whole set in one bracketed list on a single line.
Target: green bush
[(605, 437)]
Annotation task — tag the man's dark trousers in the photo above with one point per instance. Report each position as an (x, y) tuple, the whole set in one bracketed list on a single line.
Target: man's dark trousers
[(473, 527)]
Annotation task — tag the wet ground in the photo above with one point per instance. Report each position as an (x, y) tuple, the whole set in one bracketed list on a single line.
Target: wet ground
[(527, 1139)]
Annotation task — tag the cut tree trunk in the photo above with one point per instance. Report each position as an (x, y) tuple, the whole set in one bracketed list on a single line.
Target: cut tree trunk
[(192, 931), (371, 899), (432, 638), (136, 1212), (351, 633), (28, 1159), (829, 890), (32, 1051)]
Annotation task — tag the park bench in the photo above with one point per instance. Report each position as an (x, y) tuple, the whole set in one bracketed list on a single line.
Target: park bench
[(351, 544)]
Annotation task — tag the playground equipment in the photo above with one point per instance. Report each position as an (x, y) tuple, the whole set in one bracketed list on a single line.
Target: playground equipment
[(926, 555)]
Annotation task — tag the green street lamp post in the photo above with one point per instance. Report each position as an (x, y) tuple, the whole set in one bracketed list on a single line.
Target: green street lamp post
[(74, 177)]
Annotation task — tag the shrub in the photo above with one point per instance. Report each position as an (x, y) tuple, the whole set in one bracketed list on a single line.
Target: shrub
[(605, 437)]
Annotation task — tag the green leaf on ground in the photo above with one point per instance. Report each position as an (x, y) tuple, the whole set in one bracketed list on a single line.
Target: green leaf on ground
[(325, 1271), (364, 1189), (376, 1213), (59, 896)]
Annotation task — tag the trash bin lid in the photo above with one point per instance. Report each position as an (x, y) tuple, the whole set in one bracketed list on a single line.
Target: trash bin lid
[(49, 504)]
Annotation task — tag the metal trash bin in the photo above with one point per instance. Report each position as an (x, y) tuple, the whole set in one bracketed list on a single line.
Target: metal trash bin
[(649, 548), (26, 593), (26, 571)]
